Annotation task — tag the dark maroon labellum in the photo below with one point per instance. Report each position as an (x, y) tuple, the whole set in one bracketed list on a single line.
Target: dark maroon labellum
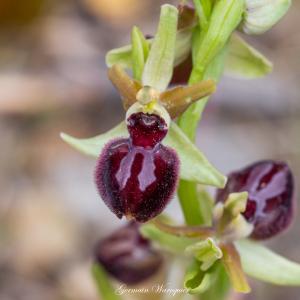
[(127, 256), (137, 177), (270, 203)]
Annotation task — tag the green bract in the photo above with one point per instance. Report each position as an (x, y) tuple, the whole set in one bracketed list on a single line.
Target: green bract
[(225, 17)]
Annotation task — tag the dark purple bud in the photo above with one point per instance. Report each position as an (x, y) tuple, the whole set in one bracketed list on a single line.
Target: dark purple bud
[(146, 130), (270, 203), (182, 72), (127, 256), (187, 17), (135, 181)]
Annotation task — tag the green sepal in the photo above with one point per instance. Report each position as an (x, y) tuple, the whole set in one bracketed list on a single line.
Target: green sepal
[(193, 164), (262, 15), (159, 65), (123, 55), (93, 146), (261, 263), (244, 61), (104, 287), (166, 241), (197, 281)]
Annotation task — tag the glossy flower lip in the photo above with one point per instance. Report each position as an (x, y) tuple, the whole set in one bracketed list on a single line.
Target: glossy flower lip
[(146, 130), (134, 181), (127, 256), (271, 200)]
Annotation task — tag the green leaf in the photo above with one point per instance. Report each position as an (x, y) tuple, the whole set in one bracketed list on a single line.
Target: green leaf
[(197, 281), (261, 15), (169, 242), (159, 66), (225, 17), (243, 61), (194, 165), (105, 289), (140, 50), (261, 263), (188, 121), (93, 146)]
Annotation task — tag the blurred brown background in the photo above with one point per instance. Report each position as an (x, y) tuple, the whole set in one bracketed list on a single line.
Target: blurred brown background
[(53, 78)]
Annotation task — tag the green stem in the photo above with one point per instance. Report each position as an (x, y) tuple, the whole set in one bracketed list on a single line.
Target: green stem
[(194, 208)]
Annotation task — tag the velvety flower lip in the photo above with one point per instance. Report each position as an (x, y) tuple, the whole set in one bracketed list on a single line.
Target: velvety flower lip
[(271, 199), (134, 181)]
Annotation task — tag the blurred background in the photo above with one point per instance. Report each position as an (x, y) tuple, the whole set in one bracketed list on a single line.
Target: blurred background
[(53, 78)]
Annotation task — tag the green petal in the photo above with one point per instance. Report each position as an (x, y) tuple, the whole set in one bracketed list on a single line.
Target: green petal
[(243, 61), (93, 146), (159, 66), (194, 165), (261, 263)]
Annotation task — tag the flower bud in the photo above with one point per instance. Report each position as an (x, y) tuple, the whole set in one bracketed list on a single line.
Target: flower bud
[(261, 15), (127, 256), (270, 203)]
